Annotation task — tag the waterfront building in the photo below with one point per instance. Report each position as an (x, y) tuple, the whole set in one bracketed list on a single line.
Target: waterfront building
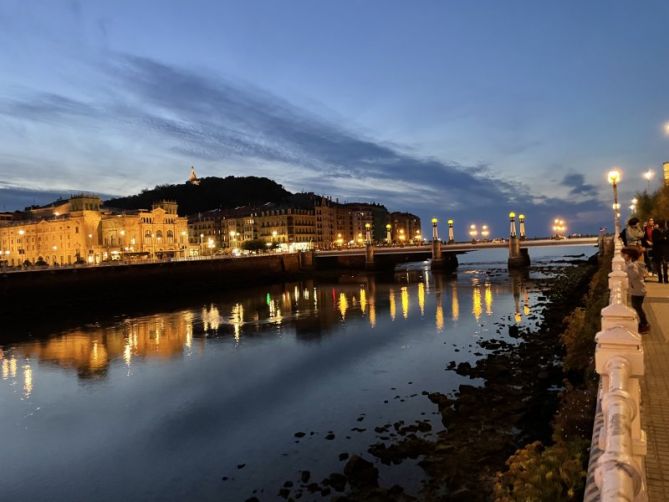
[(290, 228), (158, 233), (406, 228), (79, 230), (65, 232)]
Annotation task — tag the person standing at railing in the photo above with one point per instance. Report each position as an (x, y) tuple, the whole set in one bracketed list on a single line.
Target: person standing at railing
[(661, 251), (633, 233), (637, 287), (647, 243)]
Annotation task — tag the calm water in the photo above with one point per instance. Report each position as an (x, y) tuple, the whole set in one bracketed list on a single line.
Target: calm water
[(164, 406)]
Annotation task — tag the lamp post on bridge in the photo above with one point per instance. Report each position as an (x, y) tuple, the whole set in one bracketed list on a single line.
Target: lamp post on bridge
[(512, 225), (521, 224), (451, 235), (389, 239), (368, 233), (437, 260)]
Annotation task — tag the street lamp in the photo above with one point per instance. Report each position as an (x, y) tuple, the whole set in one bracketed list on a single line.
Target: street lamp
[(368, 233), (559, 228), (388, 236), (648, 175), (614, 178), (473, 232), (435, 234), (451, 232), (485, 232)]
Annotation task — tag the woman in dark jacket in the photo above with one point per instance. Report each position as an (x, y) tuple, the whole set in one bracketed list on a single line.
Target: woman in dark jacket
[(661, 251)]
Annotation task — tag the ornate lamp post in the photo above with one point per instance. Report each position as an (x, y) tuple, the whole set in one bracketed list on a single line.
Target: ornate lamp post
[(648, 175), (485, 232), (368, 233), (388, 236), (451, 234), (512, 224), (521, 225), (435, 232), (473, 232), (614, 178)]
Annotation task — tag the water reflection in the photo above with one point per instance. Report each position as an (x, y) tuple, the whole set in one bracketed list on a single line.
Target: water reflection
[(309, 311)]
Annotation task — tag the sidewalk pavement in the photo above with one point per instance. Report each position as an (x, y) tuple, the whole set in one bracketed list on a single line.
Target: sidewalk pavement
[(655, 390)]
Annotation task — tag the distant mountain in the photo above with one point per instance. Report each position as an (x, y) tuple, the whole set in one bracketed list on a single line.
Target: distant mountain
[(211, 193)]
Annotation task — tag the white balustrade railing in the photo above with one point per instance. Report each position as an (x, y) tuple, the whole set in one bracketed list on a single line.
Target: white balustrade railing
[(620, 442)]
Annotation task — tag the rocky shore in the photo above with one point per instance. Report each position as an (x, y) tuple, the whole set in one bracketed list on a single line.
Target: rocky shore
[(515, 393)]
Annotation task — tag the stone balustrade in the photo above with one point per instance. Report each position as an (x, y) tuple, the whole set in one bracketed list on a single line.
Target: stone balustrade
[(619, 443)]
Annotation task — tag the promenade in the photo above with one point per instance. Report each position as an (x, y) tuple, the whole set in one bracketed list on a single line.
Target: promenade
[(655, 391)]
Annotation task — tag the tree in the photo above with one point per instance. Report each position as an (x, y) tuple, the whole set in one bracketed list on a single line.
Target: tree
[(254, 245)]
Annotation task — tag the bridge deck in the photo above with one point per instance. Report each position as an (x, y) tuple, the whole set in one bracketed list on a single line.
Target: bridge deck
[(655, 391)]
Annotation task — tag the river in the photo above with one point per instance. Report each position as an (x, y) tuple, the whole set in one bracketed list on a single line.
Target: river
[(232, 397)]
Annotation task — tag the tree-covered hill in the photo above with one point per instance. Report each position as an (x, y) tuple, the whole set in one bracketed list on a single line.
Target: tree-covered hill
[(211, 193)]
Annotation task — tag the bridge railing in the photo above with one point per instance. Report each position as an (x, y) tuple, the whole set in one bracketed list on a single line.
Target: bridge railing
[(616, 470)]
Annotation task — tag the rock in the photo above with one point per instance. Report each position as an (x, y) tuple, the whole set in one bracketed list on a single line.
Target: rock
[(337, 481), (361, 473), (330, 437), (305, 476), (299, 434), (288, 484), (343, 456), (241, 466), (284, 493)]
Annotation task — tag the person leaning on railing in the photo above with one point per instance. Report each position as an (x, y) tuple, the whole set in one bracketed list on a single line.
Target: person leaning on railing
[(633, 233), (635, 271)]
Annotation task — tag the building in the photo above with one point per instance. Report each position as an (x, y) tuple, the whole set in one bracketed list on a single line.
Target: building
[(62, 233), (158, 233), (405, 228), (79, 230)]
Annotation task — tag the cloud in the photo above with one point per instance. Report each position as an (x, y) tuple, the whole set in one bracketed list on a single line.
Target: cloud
[(578, 185), (201, 119)]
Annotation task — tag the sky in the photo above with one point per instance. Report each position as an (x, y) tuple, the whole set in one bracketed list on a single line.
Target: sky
[(454, 109)]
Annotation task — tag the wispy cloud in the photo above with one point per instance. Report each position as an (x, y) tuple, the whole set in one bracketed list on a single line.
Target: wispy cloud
[(217, 121)]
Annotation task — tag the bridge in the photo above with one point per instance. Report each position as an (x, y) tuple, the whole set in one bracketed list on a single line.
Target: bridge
[(442, 254)]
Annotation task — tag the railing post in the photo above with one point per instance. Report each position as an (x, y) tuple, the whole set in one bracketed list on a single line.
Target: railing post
[(619, 471)]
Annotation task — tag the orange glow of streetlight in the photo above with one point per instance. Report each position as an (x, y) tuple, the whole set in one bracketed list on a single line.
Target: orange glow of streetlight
[(614, 176)]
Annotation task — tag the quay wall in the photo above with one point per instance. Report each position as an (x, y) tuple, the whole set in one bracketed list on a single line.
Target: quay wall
[(34, 291)]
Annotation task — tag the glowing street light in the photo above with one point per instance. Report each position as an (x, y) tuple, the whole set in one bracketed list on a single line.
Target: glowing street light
[(451, 234), (368, 233), (559, 228), (473, 232), (485, 232), (648, 175), (614, 177), (388, 236), (435, 233)]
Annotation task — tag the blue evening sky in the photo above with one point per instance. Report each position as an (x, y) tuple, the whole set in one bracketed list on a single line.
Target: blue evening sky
[(464, 109)]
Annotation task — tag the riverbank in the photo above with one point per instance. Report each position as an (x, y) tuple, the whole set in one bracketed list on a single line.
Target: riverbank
[(513, 397)]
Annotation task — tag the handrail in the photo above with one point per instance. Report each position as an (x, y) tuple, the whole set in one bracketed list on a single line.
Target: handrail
[(619, 444)]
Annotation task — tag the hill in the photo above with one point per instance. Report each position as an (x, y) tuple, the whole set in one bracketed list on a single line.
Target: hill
[(211, 193)]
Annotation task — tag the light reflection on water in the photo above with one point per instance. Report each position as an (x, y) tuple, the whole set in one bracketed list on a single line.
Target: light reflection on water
[(249, 371)]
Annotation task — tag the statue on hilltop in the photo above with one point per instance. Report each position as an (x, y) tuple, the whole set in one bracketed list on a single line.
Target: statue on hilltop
[(193, 179)]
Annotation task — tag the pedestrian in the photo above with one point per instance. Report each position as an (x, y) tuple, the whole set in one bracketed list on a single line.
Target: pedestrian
[(634, 232), (647, 244), (661, 251), (637, 287)]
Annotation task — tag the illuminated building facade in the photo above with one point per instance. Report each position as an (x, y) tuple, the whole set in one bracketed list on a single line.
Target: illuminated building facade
[(406, 228), (80, 231), (159, 233)]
